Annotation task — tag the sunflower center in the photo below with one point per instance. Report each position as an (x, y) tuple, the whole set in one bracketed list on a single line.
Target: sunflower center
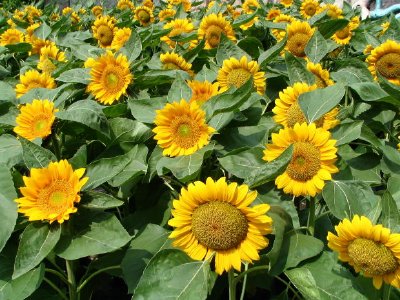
[(34, 84), (219, 225), (238, 77), (389, 65), (295, 115), (372, 257), (186, 132), (105, 34), (56, 197), (170, 66), (305, 162), (13, 39), (343, 33), (113, 78), (144, 16), (297, 43), (310, 9), (40, 124), (213, 35)]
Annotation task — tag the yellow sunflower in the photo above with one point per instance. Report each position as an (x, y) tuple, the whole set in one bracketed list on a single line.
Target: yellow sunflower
[(30, 30), (368, 49), (67, 10), (321, 75), (215, 218), (232, 11), (288, 112), (385, 60), (250, 6), (187, 5), (385, 27), (286, 3), (144, 15), (47, 54), (104, 30), (97, 11), (33, 79), (32, 13), (249, 24), (173, 61), (211, 28), (178, 26), (110, 77), (50, 193), (309, 8), (165, 14), (369, 249), (299, 33), (202, 91), (11, 36), (333, 11), (75, 19), (273, 13), (280, 34), (313, 159), (54, 17), (35, 119), (121, 36), (38, 44), (354, 23), (181, 128), (125, 4), (343, 36), (236, 72), (148, 3)]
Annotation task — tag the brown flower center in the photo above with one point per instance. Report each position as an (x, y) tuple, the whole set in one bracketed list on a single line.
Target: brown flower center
[(305, 162), (297, 43), (310, 9), (56, 197), (144, 16), (389, 65), (186, 131), (295, 115), (238, 77), (105, 35), (343, 33), (213, 35)]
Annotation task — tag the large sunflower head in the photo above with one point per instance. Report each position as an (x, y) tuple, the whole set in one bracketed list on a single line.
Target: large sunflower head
[(202, 91), (110, 77), (215, 218), (280, 34), (313, 159), (234, 73), (344, 35), (181, 128), (273, 13), (173, 61), (178, 27), (33, 79), (144, 15), (50, 193), (321, 75), (97, 10), (299, 33), (370, 249), (309, 8), (47, 54), (104, 30), (211, 28), (250, 6), (125, 4), (35, 119), (121, 36), (385, 60), (11, 36)]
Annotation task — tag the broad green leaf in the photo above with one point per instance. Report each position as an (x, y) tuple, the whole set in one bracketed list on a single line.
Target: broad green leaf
[(390, 213), (92, 233), (251, 45), (179, 90), (71, 39), (227, 49), (267, 56), (393, 186), (328, 28), (79, 75), (371, 92), (391, 158), (316, 103), (37, 240), (10, 150), (36, 156), (85, 51), (157, 77), (243, 19), (43, 31), (133, 47), (7, 93), (316, 47), (19, 47), (128, 132), (390, 88), (347, 132), (297, 70), (99, 200), (144, 110), (24, 286), (206, 74), (173, 273), (351, 74)]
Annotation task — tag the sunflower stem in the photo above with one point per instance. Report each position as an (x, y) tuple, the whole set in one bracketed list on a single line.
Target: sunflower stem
[(58, 274), (81, 286), (245, 273), (56, 146), (54, 287), (232, 285), (71, 279), (246, 266), (311, 216)]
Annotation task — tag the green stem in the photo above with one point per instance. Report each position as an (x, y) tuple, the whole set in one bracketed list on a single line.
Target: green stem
[(81, 286), (55, 288), (246, 266), (239, 277), (56, 146), (232, 285), (58, 274), (71, 280), (311, 216), (296, 294)]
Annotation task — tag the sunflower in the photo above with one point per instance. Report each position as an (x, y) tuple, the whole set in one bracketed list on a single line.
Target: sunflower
[(104, 30), (33, 79), (35, 119), (232, 11), (288, 112), (385, 60), (343, 36), (178, 26), (47, 54), (202, 91), (368, 49), (11, 36), (75, 19), (313, 159), (299, 33), (97, 11), (215, 218), (309, 8), (173, 61), (280, 34), (354, 22), (181, 128), (321, 75), (50, 193), (187, 5), (144, 15), (286, 3), (148, 3), (167, 13), (30, 30), (54, 17), (211, 28), (32, 13), (333, 11), (370, 249), (125, 4), (273, 13), (110, 77), (236, 72), (121, 36), (250, 6), (38, 44), (249, 24), (385, 27), (67, 10)]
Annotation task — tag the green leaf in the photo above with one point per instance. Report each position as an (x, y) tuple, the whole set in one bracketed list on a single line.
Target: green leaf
[(36, 156), (7, 93), (316, 47), (36, 242), (297, 70), (347, 132), (128, 132), (179, 90), (372, 92), (144, 110), (10, 150), (393, 186), (93, 232), (390, 213), (328, 28), (19, 47), (133, 47), (79, 75), (173, 273), (24, 286), (227, 49), (43, 31), (390, 88), (157, 77), (316, 103), (99, 200), (267, 56), (352, 72)]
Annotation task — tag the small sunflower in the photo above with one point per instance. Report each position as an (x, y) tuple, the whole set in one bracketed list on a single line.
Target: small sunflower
[(178, 26), (32, 13), (309, 8), (286, 3), (125, 4), (173, 61), (202, 91), (280, 34), (215, 218), (181, 128), (322, 77), (47, 54), (232, 11), (67, 10), (299, 33), (54, 17), (50, 193), (288, 112), (167, 13), (250, 6), (97, 11), (30, 30), (385, 60), (110, 77), (385, 27), (313, 159), (236, 72), (35, 119), (38, 44), (11, 36), (121, 36), (211, 28), (144, 15), (187, 5), (354, 22), (273, 13), (75, 19), (249, 24), (33, 79), (368, 49), (148, 3), (369, 249), (343, 36), (333, 11), (104, 30)]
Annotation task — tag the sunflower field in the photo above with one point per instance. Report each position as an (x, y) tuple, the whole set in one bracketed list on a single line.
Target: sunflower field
[(192, 150)]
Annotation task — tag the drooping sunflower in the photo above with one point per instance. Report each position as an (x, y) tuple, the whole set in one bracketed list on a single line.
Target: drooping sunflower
[(313, 159), (369, 249), (110, 77), (167, 13), (215, 218), (385, 60), (309, 8), (104, 30), (121, 36), (125, 4), (280, 34), (286, 3), (178, 26), (35, 119), (211, 28), (236, 72), (333, 11), (187, 5), (250, 6), (97, 11), (33, 79), (322, 77), (202, 91), (273, 13), (173, 61), (32, 13), (181, 128), (343, 36), (11, 36), (50, 193), (299, 33), (144, 15), (288, 112), (249, 24), (47, 54)]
